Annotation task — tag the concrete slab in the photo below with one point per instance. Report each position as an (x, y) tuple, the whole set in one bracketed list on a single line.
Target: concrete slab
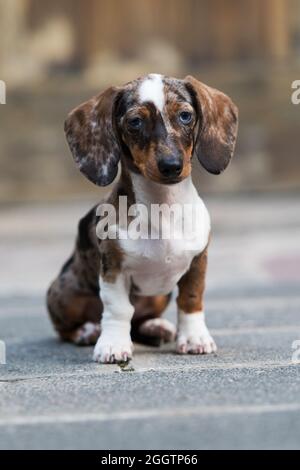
[(254, 430)]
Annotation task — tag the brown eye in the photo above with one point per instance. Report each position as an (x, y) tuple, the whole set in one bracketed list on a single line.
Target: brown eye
[(185, 117), (135, 123)]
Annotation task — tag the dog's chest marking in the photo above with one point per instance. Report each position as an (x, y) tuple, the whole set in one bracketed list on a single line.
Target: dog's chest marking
[(155, 266)]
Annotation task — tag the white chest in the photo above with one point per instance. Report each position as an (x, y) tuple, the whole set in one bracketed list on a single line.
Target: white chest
[(156, 265)]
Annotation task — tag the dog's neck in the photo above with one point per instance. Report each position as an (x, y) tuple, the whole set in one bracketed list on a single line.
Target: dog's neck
[(149, 192)]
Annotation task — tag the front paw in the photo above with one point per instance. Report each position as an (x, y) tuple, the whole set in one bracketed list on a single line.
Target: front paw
[(110, 351), (195, 345), (193, 336)]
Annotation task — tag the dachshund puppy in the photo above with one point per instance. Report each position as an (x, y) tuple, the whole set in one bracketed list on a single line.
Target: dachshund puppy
[(113, 291)]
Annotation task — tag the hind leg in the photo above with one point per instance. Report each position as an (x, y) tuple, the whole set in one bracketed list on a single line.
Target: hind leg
[(147, 325), (86, 335), (73, 298), (75, 311)]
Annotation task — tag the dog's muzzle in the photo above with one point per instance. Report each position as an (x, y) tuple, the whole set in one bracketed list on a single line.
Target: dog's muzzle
[(170, 167)]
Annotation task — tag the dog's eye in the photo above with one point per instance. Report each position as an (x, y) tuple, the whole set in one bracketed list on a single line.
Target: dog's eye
[(135, 123), (185, 117)]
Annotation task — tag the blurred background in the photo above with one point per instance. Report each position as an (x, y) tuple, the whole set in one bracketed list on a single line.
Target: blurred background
[(55, 54)]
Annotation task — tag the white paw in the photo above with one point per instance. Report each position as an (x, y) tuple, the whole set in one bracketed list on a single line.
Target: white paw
[(195, 344), (87, 334), (193, 336), (109, 350), (160, 328)]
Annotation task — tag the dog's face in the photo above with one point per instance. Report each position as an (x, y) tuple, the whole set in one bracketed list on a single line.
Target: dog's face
[(155, 119), (155, 124)]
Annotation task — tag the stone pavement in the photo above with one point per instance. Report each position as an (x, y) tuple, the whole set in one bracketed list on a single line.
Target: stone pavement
[(247, 396)]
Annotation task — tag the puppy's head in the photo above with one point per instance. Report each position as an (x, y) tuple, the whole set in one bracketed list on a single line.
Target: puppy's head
[(155, 124)]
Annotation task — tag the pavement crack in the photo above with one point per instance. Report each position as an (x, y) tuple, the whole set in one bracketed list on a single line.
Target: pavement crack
[(259, 366), (14, 380)]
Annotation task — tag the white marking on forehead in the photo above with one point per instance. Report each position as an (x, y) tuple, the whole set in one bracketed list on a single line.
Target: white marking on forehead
[(152, 89)]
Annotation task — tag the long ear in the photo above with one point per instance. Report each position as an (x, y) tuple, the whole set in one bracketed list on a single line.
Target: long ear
[(91, 137), (217, 126)]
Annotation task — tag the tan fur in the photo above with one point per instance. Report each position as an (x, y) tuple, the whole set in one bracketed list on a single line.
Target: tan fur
[(192, 285)]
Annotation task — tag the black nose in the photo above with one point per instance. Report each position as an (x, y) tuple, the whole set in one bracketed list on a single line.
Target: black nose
[(170, 167)]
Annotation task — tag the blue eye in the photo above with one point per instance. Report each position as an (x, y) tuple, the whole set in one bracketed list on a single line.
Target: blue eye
[(135, 123), (185, 117)]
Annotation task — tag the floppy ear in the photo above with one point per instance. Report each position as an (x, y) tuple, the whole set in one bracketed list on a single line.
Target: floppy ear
[(217, 126), (91, 137)]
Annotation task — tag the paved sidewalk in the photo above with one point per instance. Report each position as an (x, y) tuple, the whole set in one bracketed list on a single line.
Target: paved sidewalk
[(247, 396)]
